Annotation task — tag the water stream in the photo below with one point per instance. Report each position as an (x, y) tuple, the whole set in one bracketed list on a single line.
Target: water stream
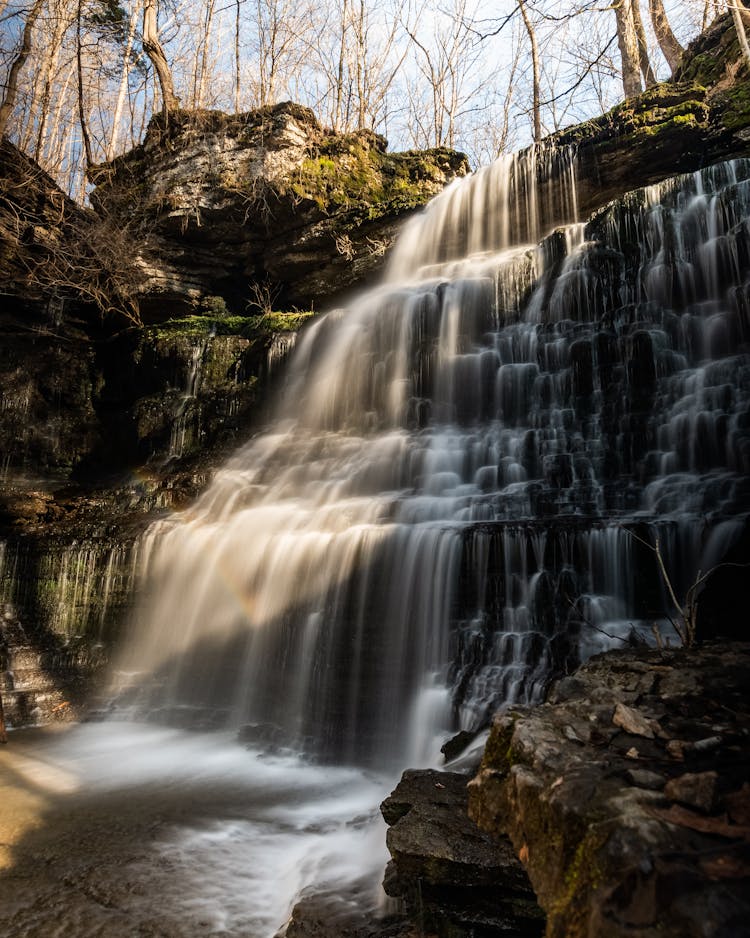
[(452, 497), (453, 500)]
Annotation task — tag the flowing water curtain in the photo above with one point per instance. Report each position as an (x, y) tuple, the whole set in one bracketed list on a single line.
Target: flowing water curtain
[(450, 502)]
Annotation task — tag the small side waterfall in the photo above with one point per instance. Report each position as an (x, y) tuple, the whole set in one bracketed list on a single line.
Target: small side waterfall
[(444, 507)]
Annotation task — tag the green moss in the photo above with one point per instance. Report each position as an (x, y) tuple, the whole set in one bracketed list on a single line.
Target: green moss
[(214, 306), (352, 172), (285, 322), (658, 111), (734, 105), (582, 876), (344, 171), (498, 751), (244, 326), (710, 54)]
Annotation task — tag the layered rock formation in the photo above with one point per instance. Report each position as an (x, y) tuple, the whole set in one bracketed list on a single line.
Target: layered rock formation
[(453, 878), (266, 198)]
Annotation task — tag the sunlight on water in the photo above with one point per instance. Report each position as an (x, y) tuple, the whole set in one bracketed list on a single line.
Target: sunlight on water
[(239, 833), (451, 489)]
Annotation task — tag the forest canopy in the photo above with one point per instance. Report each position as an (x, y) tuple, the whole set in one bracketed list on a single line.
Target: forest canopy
[(82, 78)]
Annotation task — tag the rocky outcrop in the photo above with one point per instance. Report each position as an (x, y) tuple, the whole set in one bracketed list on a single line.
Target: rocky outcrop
[(55, 253), (699, 117), (267, 198), (626, 795), (76, 402), (454, 880), (36, 219)]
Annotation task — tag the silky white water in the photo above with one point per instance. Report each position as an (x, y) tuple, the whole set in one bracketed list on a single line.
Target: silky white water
[(460, 470), (192, 834), (453, 501)]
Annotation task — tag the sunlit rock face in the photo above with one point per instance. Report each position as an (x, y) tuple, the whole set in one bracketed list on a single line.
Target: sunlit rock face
[(467, 472), (267, 196)]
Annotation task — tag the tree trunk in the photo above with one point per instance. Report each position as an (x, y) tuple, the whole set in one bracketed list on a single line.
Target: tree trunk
[(740, 27), (11, 88), (205, 52), (3, 733), (670, 47), (628, 43), (237, 58), (648, 73), (536, 104), (361, 30), (339, 86), (122, 90), (48, 72), (153, 49), (81, 104)]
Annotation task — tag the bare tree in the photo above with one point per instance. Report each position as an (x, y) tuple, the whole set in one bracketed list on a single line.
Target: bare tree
[(85, 136), (284, 37), (640, 33), (11, 85), (536, 103), (153, 49), (123, 88), (445, 61), (628, 44), (237, 63), (739, 26), (670, 47)]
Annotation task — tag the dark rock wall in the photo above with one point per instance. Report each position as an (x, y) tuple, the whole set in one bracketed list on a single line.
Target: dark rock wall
[(101, 434)]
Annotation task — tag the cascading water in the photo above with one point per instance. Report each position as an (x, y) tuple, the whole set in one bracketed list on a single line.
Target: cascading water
[(451, 501), (446, 505)]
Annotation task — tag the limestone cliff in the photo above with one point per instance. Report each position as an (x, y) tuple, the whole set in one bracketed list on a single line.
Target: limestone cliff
[(269, 198)]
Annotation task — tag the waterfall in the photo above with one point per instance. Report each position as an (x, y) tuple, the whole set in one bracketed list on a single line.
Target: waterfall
[(453, 496)]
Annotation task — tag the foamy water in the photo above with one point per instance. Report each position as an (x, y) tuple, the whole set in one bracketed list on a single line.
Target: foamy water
[(232, 836)]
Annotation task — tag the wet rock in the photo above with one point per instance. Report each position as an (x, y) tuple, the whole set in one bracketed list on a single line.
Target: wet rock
[(643, 778), (453, 877), (457, 745), (351, 913), (697, 790), (632, 722), (623, 863)]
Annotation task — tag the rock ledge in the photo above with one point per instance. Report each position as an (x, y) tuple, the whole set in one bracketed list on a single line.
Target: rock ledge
[(626, 795)]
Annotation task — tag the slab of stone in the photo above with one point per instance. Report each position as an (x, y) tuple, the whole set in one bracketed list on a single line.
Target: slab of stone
[(455, 878), (632, 721), (695, 789)]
